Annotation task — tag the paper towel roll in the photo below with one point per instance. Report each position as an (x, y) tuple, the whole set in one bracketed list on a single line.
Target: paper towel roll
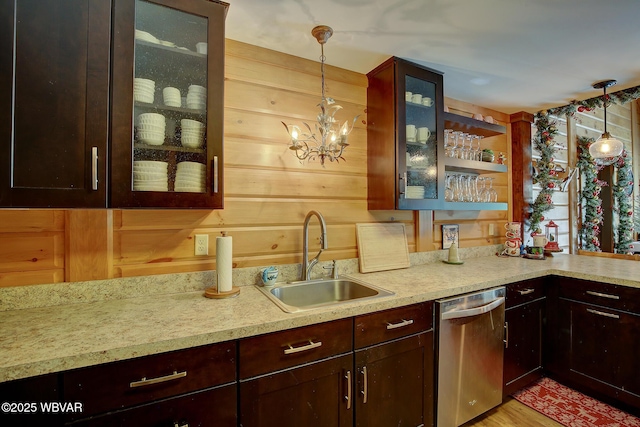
[(224, 263)]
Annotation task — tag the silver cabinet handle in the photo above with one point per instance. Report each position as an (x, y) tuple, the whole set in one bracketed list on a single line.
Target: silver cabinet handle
[(144, 381), (181, 425), (526, 291), (401, 324), (309, 346), (602, 313), (94, 168), (457, 314), (365, 386), (215, 174), (598, 294), (348, 396), (506, 334)]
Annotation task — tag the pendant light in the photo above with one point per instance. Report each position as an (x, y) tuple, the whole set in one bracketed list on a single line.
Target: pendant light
[(605, 147)]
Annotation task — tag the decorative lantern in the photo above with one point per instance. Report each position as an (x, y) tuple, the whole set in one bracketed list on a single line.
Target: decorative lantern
[(551, 233)]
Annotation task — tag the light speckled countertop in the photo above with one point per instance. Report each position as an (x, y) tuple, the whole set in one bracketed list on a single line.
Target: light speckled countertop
[(54, 338)]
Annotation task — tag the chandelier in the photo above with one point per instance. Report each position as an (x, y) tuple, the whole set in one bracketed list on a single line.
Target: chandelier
[(327, 140), (606, 148)]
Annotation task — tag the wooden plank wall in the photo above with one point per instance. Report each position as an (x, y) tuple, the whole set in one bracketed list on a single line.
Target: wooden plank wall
[(267, 191)]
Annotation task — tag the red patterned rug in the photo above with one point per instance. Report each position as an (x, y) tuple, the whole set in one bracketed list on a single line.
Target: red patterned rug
[(570, 408)]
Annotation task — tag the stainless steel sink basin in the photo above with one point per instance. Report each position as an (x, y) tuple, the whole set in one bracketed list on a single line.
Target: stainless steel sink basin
[(301, 296)]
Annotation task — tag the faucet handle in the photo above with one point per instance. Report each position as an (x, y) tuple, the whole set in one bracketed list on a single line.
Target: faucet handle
[(334, 269)]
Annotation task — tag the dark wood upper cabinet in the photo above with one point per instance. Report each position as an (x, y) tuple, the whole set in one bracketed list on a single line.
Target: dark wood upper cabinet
[(71, 126), (157, 40), (54, 108), (407, 165)]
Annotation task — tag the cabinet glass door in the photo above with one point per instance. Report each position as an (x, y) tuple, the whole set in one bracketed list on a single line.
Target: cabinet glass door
[(421, 140), (169, 137)]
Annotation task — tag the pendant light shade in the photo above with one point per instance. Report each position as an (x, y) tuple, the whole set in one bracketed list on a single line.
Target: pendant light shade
[(605, 147)]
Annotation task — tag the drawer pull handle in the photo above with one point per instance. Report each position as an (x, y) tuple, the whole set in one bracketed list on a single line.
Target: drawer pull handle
[(506, 334), (181, 425), (94, 168), (526, 291), (309, 346), (144, 381), (602, 313), (598, 294), (365, 386), (348, 396), (401, 324)]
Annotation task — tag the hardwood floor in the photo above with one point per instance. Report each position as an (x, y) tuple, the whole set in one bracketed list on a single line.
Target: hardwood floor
[(512, 413)]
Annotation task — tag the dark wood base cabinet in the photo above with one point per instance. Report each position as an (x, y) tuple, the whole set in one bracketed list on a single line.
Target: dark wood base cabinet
[(594, 340), (524, 319), (213, 407), (314, 395), (394, 384)]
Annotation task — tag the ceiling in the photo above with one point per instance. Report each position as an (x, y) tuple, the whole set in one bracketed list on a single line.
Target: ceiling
[(509, 55)]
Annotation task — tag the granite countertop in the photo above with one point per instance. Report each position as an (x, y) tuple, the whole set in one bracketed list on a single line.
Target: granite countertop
[(55, 338)]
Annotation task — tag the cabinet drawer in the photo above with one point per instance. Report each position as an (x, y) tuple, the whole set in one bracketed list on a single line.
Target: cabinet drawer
[(211, 407), (603, 294), (386, 325), (279, 350), (525, 291), (127, 383)]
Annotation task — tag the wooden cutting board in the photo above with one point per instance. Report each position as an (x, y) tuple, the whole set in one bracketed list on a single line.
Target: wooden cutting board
[(382, 246)]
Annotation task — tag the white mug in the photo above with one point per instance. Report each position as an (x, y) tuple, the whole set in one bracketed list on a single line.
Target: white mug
[(201, 47), (416, 98), (427, 102), (539, 240), (411, 133), (423, 134), (407, 96)]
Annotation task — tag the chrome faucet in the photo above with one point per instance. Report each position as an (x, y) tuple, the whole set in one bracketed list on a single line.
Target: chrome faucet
[(306, 264)]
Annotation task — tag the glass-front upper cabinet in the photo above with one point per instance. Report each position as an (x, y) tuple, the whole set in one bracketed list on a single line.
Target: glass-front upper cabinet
[(168, 79), (405, 137)]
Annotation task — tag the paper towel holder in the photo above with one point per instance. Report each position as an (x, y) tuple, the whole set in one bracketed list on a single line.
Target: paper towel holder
[(212, 292)]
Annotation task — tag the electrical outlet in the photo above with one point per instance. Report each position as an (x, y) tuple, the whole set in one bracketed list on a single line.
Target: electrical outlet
[(202, 244), (492, 230)]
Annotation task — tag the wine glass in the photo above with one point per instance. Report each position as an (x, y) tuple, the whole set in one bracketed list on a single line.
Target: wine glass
[(492, 194)]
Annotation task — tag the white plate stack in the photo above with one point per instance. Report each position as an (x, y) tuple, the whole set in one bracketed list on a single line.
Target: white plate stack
[(191, 177), (197, 97), (143, 90), (150, 175), (147, 37), (415, 192), (192, 133), (151, 127)]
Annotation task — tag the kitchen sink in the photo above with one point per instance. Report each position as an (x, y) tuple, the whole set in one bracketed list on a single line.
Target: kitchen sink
[(306, 295)]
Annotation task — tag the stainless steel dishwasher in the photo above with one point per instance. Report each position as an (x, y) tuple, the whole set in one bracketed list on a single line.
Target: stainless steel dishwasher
[(470, 351)]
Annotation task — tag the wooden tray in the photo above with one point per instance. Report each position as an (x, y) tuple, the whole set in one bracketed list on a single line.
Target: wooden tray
[(382, 247)]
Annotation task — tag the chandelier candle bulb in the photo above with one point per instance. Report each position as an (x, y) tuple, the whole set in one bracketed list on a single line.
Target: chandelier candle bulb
[(224, 264)]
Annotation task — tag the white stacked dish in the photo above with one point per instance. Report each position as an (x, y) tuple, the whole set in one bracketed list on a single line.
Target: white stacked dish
[(143, 90), (145, 36), (415, 192), (191, 177), (151, 127), (192, 133), (197, 97), (150, 175), (171, 97)]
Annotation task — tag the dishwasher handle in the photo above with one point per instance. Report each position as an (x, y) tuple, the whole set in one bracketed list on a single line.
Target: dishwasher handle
[(459, 314)]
